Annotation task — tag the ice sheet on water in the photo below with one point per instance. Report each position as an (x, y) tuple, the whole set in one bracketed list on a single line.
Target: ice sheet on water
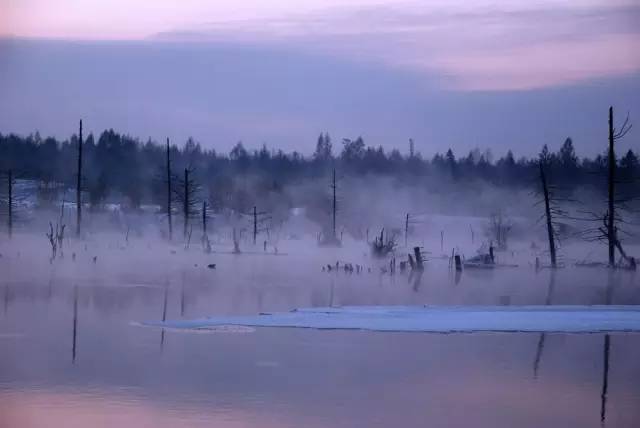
[(200, 328), (437, 319)]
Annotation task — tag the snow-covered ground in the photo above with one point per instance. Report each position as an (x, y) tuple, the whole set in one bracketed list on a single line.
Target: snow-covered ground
[(569, 319)]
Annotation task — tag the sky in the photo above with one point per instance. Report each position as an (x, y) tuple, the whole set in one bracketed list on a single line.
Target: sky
[(496, 74)]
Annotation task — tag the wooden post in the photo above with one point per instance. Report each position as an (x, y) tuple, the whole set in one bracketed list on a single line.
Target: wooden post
[(79, 185), (411, 262), (169, 191), (419, 262), (611, 181), (458, 263)]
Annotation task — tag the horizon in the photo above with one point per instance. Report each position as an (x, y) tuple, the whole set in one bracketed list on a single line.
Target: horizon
[(337, 146)]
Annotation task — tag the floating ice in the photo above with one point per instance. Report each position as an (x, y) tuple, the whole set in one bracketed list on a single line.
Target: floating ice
[(200, 328), (437, 319)]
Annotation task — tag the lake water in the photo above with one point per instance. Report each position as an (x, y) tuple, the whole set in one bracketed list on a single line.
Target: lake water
[(110, 372)]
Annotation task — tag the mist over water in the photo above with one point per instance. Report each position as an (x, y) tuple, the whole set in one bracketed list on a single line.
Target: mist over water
[(73, 353)]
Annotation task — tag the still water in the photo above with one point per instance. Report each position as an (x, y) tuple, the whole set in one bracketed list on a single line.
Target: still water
[(72, 356)]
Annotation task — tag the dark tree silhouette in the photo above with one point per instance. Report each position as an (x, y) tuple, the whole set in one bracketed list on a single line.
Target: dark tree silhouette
[(187, 194), (125, 171), (10, 203), (334, 205), (609, 225), (169, 191), (549, 219), (79, 185), (552, 210)]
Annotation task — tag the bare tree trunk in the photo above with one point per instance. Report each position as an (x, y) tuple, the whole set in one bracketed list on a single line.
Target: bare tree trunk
[(547, 210), (79, 185), (255, 225), (185, 208), (611, 232), (204, 218), (169, 191), (406, 229), (10, 207), (333, 186)]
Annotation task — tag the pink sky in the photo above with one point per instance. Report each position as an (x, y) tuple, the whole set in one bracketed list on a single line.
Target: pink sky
[(480, 45)]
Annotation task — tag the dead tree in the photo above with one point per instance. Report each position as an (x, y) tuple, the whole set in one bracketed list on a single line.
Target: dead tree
[(206, 244), (169, 191), (56, 238), (255, 224), (188, 195), (259, 222), (406, 223), (204, 218), (609, 225), (552, 212), (383, 246), (499, 229), (60, 239), (10, 203), (334, 205), (611, 181), (612, 227), (331, 237), (79, 185), (549, 220), (236, 242), (186, 203)]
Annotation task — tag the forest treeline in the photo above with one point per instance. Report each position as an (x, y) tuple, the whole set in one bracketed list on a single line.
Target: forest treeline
[(121, 168)]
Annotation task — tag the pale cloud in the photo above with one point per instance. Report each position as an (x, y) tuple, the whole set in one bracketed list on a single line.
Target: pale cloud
[(470, 45), (544, 64), (496, 47)]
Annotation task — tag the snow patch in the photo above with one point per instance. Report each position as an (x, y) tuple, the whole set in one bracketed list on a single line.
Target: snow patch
[(436, 319)]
